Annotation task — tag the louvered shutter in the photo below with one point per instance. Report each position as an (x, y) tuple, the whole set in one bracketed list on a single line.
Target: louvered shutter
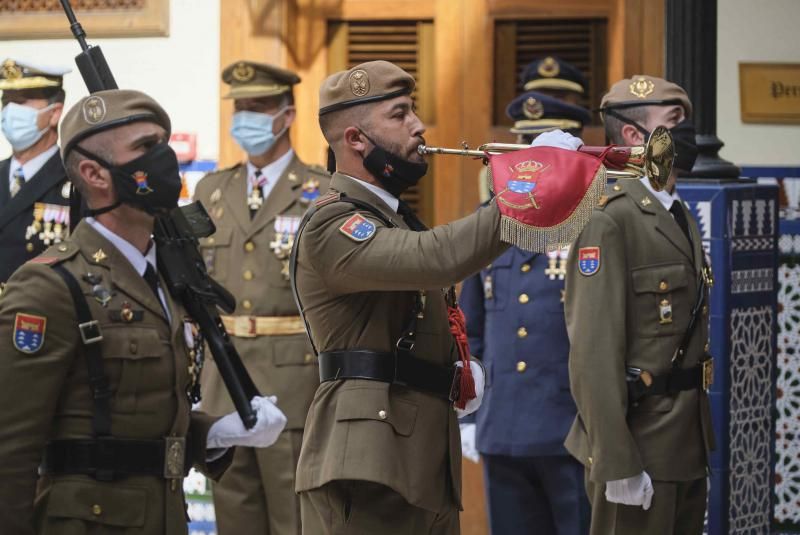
[(581, 42), (406, 43)]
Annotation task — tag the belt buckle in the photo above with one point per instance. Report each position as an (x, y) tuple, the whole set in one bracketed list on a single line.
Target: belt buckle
[(708, 373), (90, 332), (174, 457), (244, 326)]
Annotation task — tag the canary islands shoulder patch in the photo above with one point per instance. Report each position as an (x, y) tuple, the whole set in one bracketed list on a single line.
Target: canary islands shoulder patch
[(588, 260), (29, 332), (358, 228)]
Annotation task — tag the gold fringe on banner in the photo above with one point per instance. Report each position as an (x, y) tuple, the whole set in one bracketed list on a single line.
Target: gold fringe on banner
[(546, 239)]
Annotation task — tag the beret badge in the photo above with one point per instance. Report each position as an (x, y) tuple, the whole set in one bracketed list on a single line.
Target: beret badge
[(359, 83), (641, 87)]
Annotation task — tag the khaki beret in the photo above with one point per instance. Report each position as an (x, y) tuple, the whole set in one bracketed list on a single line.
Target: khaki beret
[(643, 90), (369, 82), (252, 80), (18, 75), (105, 110)]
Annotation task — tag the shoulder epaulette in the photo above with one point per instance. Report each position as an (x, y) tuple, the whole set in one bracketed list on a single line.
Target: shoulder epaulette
[(55, 254), (328, 198), (318, 169), (612, 192)]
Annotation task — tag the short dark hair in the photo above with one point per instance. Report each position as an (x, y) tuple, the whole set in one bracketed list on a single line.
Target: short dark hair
[(637, 114)]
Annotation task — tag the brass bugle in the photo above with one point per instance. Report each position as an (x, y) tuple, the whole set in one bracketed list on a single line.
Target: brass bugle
[(653, 159)]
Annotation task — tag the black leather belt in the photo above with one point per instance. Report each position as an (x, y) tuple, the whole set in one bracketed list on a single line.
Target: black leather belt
[(641, 383), (109, 459), (406, 370)]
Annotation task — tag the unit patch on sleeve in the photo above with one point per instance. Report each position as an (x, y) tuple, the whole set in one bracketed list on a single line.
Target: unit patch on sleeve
[(29, 332), (358, 228), (588, 260)]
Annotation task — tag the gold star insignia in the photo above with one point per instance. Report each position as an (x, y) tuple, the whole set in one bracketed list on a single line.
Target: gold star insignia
[(216, 195), (602, 201), (99, 256), (646, 201), (292, 176)]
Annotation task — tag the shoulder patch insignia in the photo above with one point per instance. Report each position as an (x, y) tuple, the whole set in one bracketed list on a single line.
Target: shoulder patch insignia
[(328, 198), (589, 260), (358, 228), (29, 332)]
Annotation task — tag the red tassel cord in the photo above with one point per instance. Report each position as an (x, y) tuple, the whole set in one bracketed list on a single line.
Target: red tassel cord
[(458, 328)]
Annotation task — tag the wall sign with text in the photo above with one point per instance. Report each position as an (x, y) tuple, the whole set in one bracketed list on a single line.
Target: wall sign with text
[(770, 92)]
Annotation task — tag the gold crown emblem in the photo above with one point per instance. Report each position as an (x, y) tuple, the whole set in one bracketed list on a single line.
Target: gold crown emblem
[(10, 70), (528, 167), (532, 108), (642, 87), (549, 67), (359, 83), (243, 72)]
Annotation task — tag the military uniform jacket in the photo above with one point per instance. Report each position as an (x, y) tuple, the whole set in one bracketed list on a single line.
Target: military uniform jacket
[(359, 295), (515, 323), (46, 395), (615, 318), (250, 258), (18, 244)]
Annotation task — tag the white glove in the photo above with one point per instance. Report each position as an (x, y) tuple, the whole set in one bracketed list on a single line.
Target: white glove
[(468, 447), (636, 490), (559, 139), (229, 430), (477, 375)]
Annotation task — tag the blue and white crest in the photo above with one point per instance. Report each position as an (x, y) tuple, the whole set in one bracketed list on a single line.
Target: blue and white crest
[(29, 332), (589, 260), (358, 228), (521, 186)]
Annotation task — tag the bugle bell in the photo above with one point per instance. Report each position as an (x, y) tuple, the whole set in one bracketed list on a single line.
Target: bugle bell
[(653, 159)]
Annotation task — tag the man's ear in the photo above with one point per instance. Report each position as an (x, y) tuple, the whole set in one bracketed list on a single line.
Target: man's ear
[(94, 175), (55, 116), (289, 116), (354, 139), (632, 135)]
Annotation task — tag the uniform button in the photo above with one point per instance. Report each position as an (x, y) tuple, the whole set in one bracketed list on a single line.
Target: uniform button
[(382, 414), (248, 275), (308, 357), (525, 268), (192, 353), (97, 510), (706, 348), (705, 309), (617, 187), (29, 247), (663, 285), (523, 298), (521, 366), (247, 304), (210, 241), (249, 246), (522, 332), (590, 460), (134, 347), (63, 248)]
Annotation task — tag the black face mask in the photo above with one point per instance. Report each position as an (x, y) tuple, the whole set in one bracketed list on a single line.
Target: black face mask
[(396, 174), (151, 182), (683, 135)]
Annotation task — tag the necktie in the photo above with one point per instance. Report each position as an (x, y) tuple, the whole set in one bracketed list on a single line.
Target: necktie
[(410, 218), (680, 218), (151, 278), (17, 181), (257, 194)]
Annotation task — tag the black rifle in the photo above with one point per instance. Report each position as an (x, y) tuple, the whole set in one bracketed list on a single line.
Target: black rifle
[(179, 261)]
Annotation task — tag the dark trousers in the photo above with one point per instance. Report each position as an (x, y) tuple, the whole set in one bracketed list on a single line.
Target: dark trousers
[(535, 495), (678, 508), (366, 508)]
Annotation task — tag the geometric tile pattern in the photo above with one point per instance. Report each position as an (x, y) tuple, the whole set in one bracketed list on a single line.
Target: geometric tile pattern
[(752, 280), (749, 432), (787, 403)]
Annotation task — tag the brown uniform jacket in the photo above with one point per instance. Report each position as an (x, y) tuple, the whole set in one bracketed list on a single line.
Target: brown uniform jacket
[(359, 295), (614, 320), (45, 395), (241, 257)]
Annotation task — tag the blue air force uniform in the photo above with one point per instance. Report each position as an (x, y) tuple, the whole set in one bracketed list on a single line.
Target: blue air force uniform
[(515, 322)]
